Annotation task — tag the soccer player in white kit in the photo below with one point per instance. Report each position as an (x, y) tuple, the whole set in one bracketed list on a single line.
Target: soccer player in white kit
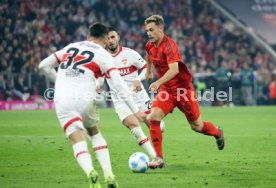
[(128, 62), (79, 65)]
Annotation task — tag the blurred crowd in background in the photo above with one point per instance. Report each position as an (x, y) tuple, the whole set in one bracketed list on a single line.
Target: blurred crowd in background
[(217, 53)]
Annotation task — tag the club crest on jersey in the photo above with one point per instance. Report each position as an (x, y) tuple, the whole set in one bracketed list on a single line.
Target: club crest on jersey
[(124, 61)]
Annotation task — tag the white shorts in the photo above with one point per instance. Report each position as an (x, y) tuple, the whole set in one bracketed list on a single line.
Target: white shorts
[(141, 99), (77, 115)]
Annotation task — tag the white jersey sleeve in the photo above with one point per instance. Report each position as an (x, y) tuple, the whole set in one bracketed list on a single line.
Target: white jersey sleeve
[(117, 84), (138, 61), (48, 65), (60, 54), (128, 62)]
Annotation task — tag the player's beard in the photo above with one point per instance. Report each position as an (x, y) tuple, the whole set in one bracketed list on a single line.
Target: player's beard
[(113, 50)]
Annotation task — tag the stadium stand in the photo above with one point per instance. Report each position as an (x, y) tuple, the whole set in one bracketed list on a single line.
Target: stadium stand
[(214, 49)]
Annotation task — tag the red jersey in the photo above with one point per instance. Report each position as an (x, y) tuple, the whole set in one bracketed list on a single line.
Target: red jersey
[(167, 52)]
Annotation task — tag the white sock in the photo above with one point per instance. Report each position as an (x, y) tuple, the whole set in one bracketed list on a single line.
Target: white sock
[(143, 141), (102, 153), (83, 156)]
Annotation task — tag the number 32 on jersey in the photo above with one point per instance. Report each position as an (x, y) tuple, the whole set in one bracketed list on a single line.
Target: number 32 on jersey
[(73, 58)]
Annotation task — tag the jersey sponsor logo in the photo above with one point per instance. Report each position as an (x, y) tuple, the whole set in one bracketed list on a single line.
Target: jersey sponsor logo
[(127, 70)]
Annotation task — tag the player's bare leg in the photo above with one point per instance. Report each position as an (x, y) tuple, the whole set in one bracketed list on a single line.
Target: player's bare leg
[(102, 154), (132, 123), (208, 128), (83, 157), (156, 136)]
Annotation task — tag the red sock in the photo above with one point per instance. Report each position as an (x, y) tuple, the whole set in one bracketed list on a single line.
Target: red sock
[(210, 129), (156, 137)]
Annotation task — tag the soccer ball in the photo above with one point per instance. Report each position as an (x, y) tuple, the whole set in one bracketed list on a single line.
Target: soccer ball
[(138, 162)]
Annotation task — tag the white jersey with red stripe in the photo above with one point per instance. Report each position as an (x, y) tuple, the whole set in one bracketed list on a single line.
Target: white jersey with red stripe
[(80, 64), (128, 62)]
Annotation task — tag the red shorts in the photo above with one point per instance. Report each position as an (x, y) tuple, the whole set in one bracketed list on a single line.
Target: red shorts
[(184, 99)]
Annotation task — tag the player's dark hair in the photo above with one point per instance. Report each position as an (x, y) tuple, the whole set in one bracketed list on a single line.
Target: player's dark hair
[(98, 30), (111, 28)]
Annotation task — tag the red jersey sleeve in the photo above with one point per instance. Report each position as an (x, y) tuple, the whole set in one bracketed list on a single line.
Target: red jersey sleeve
[(171, 51)]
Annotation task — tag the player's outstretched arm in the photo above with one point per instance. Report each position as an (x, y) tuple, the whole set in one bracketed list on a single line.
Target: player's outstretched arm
[(149, 74), (137, 85), (47, 66), (142, 75), (171, 73), (117, 84), (99, 84)]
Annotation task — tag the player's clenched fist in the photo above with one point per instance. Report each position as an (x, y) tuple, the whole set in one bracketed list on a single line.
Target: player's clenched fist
[(149, 76), (137, 86), (153, 87)]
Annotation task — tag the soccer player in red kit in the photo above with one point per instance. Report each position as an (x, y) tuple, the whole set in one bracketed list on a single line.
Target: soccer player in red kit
[(175, 88)]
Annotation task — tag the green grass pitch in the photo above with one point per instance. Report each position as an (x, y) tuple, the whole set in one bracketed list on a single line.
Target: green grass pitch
[(35, 153)]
